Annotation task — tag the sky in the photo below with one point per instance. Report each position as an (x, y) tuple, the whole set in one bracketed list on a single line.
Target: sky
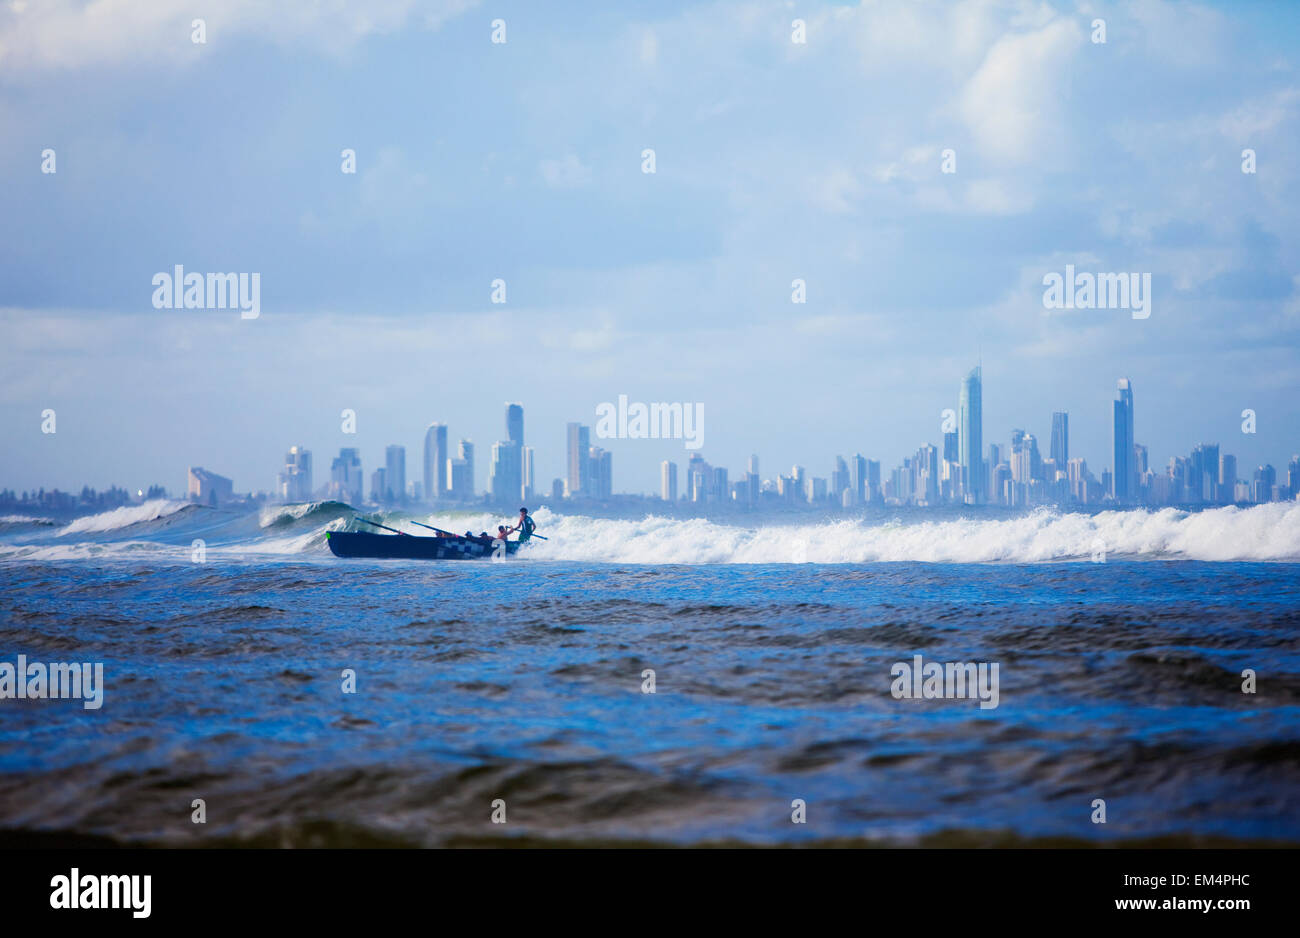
[(522, 161)]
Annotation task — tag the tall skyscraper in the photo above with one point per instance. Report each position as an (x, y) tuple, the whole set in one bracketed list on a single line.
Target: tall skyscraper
[(515, 423), (436, 482), (1123, 479), (395, 473), (753, 464), (579, 458), (668, 481), (970, 443), (1061, 438), (507, 482)]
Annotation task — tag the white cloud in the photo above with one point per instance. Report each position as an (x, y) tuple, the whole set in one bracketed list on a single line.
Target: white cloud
[(1013, 104)]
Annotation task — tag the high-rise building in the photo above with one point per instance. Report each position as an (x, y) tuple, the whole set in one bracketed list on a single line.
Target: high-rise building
[(506, 483), (601, 474), (436, 455), (465, 451), (1262, 486), (926, 466), (579, 458), (345, 476), (668, 481), (460, 479), (970, 444), (858, 477), (1060, 452), (515, 423), (1228, 477), (1203, 479), (395, 473), (873, 480), (753, 464), (1123, 479), (378, 485), (530, 481), (1293, 477), (295, 478), (839, 479)]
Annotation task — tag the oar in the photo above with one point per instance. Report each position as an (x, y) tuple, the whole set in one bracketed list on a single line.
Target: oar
[(449, 534), (439, 530), (384, 526)]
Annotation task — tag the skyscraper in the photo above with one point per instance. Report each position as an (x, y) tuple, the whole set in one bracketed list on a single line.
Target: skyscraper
[(840, 482), (1061, 438), (579, 446), (507, 479), (460, 472), (858, 478), (873, 480), (395, 473), (1123, 480), (295, 477), (515, 423), (530, 481), (1228, 477), (601, 474), (436, 482), (345, 476), (971, 435), (668, 481)]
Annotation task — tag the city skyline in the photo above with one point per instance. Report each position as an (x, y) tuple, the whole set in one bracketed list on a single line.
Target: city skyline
[(942, 474)]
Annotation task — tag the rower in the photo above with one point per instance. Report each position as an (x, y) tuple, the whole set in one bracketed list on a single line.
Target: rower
[(524, 525)]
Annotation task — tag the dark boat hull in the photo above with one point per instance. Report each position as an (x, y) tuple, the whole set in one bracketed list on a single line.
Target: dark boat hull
[(411, 547)]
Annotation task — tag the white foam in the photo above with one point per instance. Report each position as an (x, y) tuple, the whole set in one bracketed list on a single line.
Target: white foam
[(123, 517), (1261, 532)]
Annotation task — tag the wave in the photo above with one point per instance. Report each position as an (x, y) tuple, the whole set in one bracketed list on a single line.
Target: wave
[(276, 516), (1268, 532), (124, 517), (20, 520)]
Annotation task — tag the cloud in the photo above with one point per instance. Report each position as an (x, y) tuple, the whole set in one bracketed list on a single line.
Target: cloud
[(1013, 105)]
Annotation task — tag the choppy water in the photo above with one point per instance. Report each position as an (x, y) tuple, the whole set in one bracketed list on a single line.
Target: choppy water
[(523, 681)]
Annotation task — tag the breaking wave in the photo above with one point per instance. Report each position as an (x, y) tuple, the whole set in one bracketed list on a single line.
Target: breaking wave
[(124, 517), (1261, 532)]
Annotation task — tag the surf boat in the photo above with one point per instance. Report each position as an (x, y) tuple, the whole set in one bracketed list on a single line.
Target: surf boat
[(416, 547)]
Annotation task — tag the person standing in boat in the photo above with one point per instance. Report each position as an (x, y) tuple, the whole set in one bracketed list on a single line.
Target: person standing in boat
[(524, 525)]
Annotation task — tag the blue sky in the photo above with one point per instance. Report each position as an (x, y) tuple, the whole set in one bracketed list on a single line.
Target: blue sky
[(522, 161)]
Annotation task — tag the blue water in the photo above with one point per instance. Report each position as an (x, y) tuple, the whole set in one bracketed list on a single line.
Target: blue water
[(522, 681)]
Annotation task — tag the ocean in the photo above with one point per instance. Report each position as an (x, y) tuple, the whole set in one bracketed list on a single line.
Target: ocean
[(291, 698)]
